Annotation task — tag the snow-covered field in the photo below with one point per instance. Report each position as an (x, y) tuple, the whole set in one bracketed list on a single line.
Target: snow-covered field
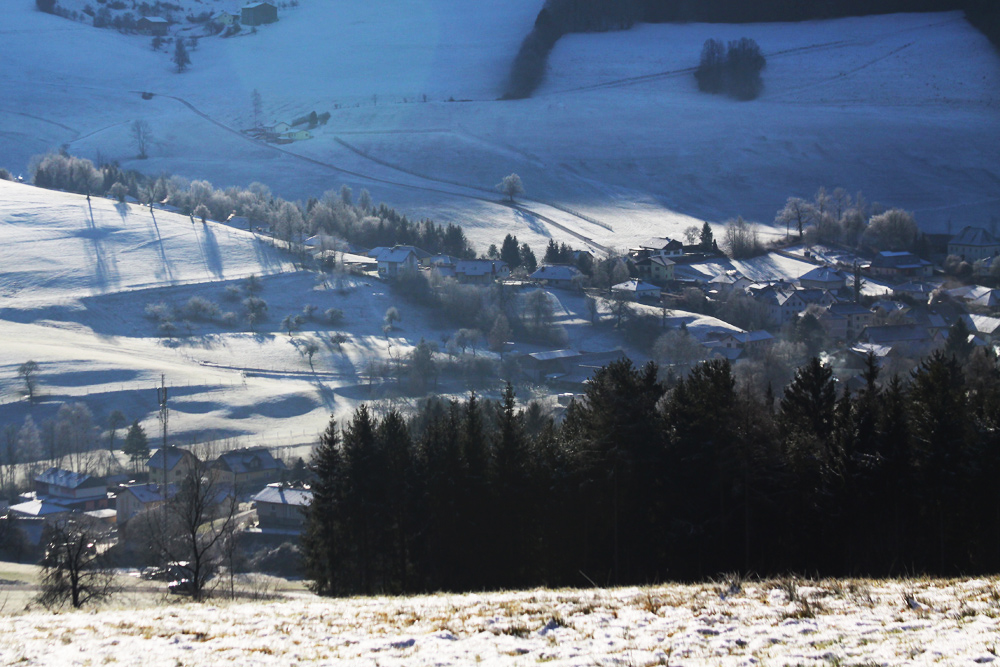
[(903, 107), (850, 622), (77, 278)]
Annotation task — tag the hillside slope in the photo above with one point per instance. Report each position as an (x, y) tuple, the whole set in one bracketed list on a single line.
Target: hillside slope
[(903, 107)]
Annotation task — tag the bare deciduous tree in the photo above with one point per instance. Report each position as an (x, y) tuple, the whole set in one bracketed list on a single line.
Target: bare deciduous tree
[(142, 135), (192, 527), (28, 372), (75, 567)]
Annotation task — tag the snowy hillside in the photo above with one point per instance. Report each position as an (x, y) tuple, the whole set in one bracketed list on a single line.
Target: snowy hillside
[(854, 622), (903, 107), (99, 294)]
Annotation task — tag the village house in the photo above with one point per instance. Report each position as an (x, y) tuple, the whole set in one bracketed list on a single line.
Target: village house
[(481, 271), (226, 19), (918, 291), (728, 282), (247, 468), (915, 337), (136, 498), (637, 290), (72, 490), (845, 320), (396, 260), (258, 13), (565, 367), (178, 464), (280, 506), (664, 246), (973, 244), (745, 340), (783, 304), (558, 275), (899, 265), (153, 25), (824, 278), (655, 268)]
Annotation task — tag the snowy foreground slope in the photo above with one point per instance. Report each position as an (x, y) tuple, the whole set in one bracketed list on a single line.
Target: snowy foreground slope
[(854, 622), (903, 107)]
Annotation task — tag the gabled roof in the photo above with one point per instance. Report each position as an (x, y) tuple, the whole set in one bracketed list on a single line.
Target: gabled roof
[(824, 274), (915, 288), (898, 260), (253, 459), (660, 243), (276, 494), (174, 456), (983, 324), (67, 479), (155, 19), (974, 236), (848, 308), (151, 493), (549, 355), (480, 267), (749, 336), (257, 4), (896, 333), (635, 286), (556, 272)]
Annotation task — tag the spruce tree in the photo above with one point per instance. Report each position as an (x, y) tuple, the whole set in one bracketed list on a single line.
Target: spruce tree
[(323, 537)]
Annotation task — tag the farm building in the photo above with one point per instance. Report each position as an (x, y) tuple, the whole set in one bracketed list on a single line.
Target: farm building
[(153, 25), (258, 13)]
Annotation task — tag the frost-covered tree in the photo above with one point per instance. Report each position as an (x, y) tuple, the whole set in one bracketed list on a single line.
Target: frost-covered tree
[(511, 186)]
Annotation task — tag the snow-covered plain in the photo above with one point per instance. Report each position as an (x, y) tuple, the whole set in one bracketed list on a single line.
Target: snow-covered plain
[(851, 622), (903, 107)]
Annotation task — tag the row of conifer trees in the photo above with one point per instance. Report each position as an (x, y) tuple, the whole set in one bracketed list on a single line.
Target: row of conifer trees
[(643, 482)]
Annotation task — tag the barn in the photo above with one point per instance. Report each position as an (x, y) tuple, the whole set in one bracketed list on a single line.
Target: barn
[(153, 25), (259, 13)]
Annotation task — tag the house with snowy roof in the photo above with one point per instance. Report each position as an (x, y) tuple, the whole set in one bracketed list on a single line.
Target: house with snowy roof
[(846, 320), (72, 490), (901, 264), (973, 244), (170, 465), (824, 278), (637, 290), (396, 260), (557, 275), (281, 506), (247, 468), (662, 246), (657, 268), (136, 498), (481, 271)]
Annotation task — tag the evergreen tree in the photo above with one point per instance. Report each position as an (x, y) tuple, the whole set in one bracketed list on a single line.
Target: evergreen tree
[(510, 252), (136, 444), (707, 239), (323, 537), (181, 58)]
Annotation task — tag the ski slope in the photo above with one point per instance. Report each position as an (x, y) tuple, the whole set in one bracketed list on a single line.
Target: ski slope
[(903, 107)]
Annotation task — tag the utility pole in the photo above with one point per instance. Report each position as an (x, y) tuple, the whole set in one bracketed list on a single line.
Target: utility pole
[(161, 399)]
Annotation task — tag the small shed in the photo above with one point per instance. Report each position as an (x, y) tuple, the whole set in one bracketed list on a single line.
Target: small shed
[(258, 13)]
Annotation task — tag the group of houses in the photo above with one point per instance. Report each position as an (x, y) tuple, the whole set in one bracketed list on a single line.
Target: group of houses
[(252, 15), (248, 474)]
